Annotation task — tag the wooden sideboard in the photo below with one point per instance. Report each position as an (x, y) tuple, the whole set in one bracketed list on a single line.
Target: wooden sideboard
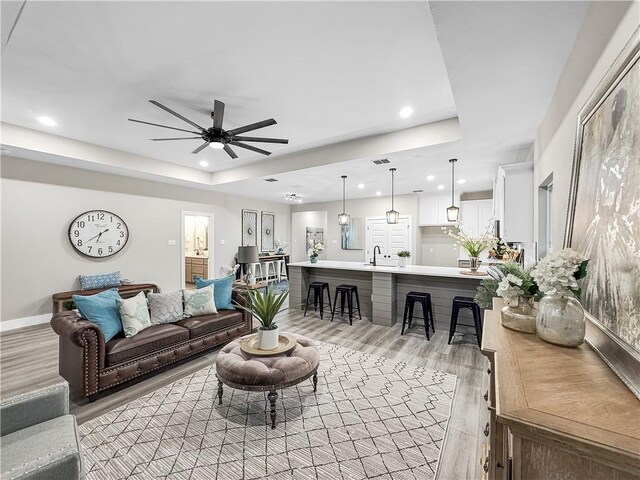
[(555, 413)]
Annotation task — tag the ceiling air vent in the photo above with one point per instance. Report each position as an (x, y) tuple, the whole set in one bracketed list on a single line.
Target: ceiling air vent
[(418, 191), (270, 180), (381, 162)]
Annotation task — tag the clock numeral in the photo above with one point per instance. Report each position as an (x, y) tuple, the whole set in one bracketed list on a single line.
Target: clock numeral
[(79, 243), (100, 216), (118, 242), (119, 225), (99, 251), (90, 218), (111, 219), (80, 224), (90, 247), (121, 234), (110, 249), (76, 233)]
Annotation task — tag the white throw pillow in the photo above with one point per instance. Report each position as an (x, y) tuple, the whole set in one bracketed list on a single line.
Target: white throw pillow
[(165, 307), (134, 314), (199, 302)]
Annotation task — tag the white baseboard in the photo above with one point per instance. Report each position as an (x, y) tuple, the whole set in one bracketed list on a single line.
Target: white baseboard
[(24, 322)]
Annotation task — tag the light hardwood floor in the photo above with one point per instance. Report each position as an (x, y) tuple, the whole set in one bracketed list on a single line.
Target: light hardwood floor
[(29, 359)]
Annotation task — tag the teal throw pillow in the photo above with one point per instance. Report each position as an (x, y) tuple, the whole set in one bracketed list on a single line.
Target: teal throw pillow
[(222, 290), (101, 309)]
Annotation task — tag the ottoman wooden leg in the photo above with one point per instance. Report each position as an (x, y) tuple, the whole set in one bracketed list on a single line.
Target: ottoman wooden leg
[(315, 382), (273, 396), (219, 392)]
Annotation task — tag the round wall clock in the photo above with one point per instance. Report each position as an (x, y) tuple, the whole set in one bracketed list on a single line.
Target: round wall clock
[(98, 233)]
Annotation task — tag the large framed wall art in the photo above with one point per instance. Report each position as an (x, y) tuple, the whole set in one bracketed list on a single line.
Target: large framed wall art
[(249, 228), (603, 220)]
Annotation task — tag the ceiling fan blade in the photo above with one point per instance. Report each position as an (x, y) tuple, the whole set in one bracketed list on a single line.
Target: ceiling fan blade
[(260, 139), (184, 119), (180, 138), (201, 147), (253, 126), (163, 126), (250, 147), (230, 151), (218, 114)]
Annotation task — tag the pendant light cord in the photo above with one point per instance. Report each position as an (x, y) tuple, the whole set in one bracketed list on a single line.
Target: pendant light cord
[(344, 182), (393, 170), (453, 179)]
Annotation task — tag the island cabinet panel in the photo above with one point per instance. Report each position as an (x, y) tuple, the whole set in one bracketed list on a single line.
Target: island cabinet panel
[(556, 413)]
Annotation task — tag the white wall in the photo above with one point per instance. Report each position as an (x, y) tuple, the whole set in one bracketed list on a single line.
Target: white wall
[(360, 208), (39, 201), (606, 29), (437, 248)]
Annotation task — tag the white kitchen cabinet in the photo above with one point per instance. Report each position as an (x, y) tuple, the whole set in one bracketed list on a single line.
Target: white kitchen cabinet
[(433, 209), (513, 202), (476, 216)]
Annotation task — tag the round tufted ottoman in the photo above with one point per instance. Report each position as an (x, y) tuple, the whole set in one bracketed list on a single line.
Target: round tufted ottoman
[(240, 370)]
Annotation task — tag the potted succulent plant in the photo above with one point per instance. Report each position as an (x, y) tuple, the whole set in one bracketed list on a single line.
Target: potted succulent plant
[(403, 256), (265, 306)]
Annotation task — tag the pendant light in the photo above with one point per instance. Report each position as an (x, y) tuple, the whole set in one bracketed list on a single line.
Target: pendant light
[(453, 212), (392, 215), (344, 218)]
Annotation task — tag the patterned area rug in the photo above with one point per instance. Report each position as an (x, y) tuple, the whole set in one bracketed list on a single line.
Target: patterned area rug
[(371, 418)]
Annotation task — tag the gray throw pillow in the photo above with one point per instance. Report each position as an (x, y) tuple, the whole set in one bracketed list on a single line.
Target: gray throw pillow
[(165, 307)]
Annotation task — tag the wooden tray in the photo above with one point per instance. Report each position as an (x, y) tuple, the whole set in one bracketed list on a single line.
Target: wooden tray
[(249, 345), (473, 274)]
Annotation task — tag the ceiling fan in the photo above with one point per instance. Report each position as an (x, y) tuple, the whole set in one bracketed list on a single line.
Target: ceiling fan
[(215, 136)]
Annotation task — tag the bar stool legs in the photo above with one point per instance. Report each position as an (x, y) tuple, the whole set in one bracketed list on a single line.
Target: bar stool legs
[(424, 299), (346, 292), (466, 302), (318, 289)]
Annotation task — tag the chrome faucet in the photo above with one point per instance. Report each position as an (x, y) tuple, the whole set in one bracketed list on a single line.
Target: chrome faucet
[(374, 254)]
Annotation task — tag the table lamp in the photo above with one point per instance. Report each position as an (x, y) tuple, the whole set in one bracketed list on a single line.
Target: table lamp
[(247, 255)]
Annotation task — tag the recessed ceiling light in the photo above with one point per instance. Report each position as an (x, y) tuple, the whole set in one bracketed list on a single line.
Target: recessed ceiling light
[(48, 121), (378, 193), (406, 112), (216, 145), (204, 163), (430, 177), (440, 187), (461, 181), (361, 185)]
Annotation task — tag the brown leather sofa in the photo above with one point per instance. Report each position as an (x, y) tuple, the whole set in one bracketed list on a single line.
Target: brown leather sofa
[(90, 365)]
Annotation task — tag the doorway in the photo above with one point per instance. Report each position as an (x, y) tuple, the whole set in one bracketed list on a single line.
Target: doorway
[(391, 238), (196, 252)]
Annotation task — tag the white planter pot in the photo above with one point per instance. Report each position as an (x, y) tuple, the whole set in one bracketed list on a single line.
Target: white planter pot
[(268, 339), (402, 261)]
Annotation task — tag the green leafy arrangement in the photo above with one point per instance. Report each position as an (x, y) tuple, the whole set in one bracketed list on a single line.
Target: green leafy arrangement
[(264, 306), (488, 288), (404, 254)]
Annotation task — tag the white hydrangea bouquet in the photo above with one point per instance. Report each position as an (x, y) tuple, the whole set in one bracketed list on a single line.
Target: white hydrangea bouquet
[(560, 272), (315, 248)]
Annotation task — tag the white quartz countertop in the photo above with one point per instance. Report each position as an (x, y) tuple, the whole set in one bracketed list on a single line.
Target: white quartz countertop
[(424, 270)]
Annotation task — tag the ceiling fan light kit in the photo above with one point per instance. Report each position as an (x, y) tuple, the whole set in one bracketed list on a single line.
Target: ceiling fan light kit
[(344, 218), (453, 212), (392, 215), (216, 137)]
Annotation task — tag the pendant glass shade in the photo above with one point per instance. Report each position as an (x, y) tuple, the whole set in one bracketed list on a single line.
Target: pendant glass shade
[(452, 213), (392, 215), (344, 218)]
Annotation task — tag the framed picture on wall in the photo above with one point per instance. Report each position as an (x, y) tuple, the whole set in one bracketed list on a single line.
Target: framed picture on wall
[(249, 228), (603, 221), (352, 235), (267, 225), (314, 235)]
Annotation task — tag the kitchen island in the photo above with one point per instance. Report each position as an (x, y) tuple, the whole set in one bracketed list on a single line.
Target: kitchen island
[(382, 289)]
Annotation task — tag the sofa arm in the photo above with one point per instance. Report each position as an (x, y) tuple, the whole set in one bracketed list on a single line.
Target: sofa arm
[(81, 353), (240, 296), (70, 325), (25, 410)]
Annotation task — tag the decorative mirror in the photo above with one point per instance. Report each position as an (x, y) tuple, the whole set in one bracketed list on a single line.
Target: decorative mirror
[(267, 221), (249, 228)]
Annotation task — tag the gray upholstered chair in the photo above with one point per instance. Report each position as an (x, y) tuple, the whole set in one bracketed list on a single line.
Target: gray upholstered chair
[(39, 439)]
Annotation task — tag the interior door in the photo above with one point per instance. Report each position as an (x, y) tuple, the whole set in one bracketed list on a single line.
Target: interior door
[(391, 238)]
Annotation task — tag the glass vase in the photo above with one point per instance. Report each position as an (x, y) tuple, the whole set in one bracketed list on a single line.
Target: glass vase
[(561, 320), (521, 317), (474, 263), (313, 259)]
